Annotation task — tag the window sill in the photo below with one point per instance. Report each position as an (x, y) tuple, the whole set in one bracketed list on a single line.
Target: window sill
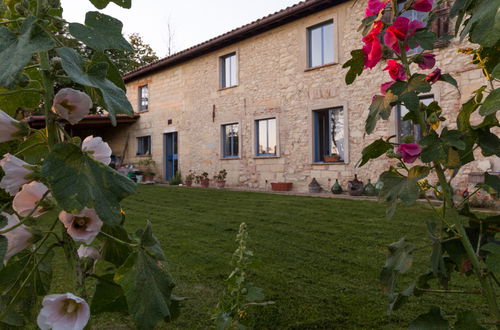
[(265, 157), (143, 111), (230, 158), (226, 88), (144, 156), (320, 67), (329, 163)]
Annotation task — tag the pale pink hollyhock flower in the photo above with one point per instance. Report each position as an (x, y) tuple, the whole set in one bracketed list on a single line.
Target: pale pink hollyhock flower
[(82, 227), (8, 127), (88, 252), (71, 105), (18, 239), (99, 149), (15, 173), (63, 312), (409, 152), (27, 198)]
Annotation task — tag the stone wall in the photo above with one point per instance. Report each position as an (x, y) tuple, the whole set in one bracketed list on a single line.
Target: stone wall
[(274, 81)]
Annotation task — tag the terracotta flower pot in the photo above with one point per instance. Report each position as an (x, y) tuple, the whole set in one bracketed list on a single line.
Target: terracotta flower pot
[(148, 177), (188, 183), (205, 183), (220, 184), (281, 186), (332, 158)]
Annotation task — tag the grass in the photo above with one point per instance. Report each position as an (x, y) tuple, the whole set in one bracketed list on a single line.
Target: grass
[(317, 258)]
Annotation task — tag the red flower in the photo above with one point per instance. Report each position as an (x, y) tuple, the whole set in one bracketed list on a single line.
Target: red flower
[(401, 29), (385, 86), (422, 5), (396, 70), (427, 61), (409, 152), (374, 7), (433, 76), (372, 47)]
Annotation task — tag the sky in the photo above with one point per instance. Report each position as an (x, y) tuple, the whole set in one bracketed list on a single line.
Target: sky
[(191, 21)]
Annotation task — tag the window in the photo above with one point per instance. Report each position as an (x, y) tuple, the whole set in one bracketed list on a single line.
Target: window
[(230, 140), (143, 98), (406, 127), (143, 145), (329, 135), (320, 44), (228, 71), (266, 137)]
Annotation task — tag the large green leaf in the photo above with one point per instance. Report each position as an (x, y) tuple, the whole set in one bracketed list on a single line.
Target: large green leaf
[(355, 65), (101, 4), (115, 100), (150, 243), (399, 261), (24, 98), (380, 107), (424, 38), (148, 289), (34, 148), (108, 296), (16, 50), (376, 149), (113, 73), (113, 251), (485, 22), (489, 142), (100, 32), (432, 320), (491, 104), (407, 92), (399, 187), (77, 180)]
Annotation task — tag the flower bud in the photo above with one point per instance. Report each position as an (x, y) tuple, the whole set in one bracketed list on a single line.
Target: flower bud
[(26, 200), (71, 105), (16, 173), (18, 239)]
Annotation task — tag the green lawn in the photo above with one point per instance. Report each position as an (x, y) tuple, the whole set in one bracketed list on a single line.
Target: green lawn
[(317, 258)]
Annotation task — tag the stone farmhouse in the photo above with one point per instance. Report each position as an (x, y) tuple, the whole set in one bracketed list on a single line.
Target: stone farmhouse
[(268, 102)]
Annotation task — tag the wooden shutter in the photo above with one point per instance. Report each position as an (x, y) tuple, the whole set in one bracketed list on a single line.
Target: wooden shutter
[(441, 24)]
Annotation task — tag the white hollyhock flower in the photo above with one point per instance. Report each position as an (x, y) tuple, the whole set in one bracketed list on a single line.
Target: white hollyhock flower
[(99, 149), (8, 127), (15, 173), (27, 198), (71, 105), (63, 312), (82, 227), (88, 252), (18, 239)]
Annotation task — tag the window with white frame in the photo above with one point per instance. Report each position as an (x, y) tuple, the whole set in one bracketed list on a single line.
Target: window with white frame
[(228, 71), (320, 44), (406, 128), (143, 98), (143, 145), (230, 140), (329, 135), (266, 137)]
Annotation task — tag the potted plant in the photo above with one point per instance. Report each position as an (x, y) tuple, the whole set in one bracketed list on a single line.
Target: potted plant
[(188, 180), (331, 158), (203, 180), (281, 186), (220, 179), (176, 179), (148, 167)]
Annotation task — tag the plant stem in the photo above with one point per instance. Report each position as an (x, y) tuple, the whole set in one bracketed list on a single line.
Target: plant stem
[(119, 240), (16, 91), (479, 269)]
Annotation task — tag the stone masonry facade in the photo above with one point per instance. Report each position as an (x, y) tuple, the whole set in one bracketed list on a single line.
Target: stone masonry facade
[(274, 81)]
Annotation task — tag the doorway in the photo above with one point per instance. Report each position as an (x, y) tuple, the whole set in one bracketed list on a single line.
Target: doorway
[(171, 155)]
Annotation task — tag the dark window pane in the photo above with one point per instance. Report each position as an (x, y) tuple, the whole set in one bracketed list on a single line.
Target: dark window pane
[(143, 98)]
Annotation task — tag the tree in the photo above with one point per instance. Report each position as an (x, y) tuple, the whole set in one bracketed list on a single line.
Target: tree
[(127, 61)]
